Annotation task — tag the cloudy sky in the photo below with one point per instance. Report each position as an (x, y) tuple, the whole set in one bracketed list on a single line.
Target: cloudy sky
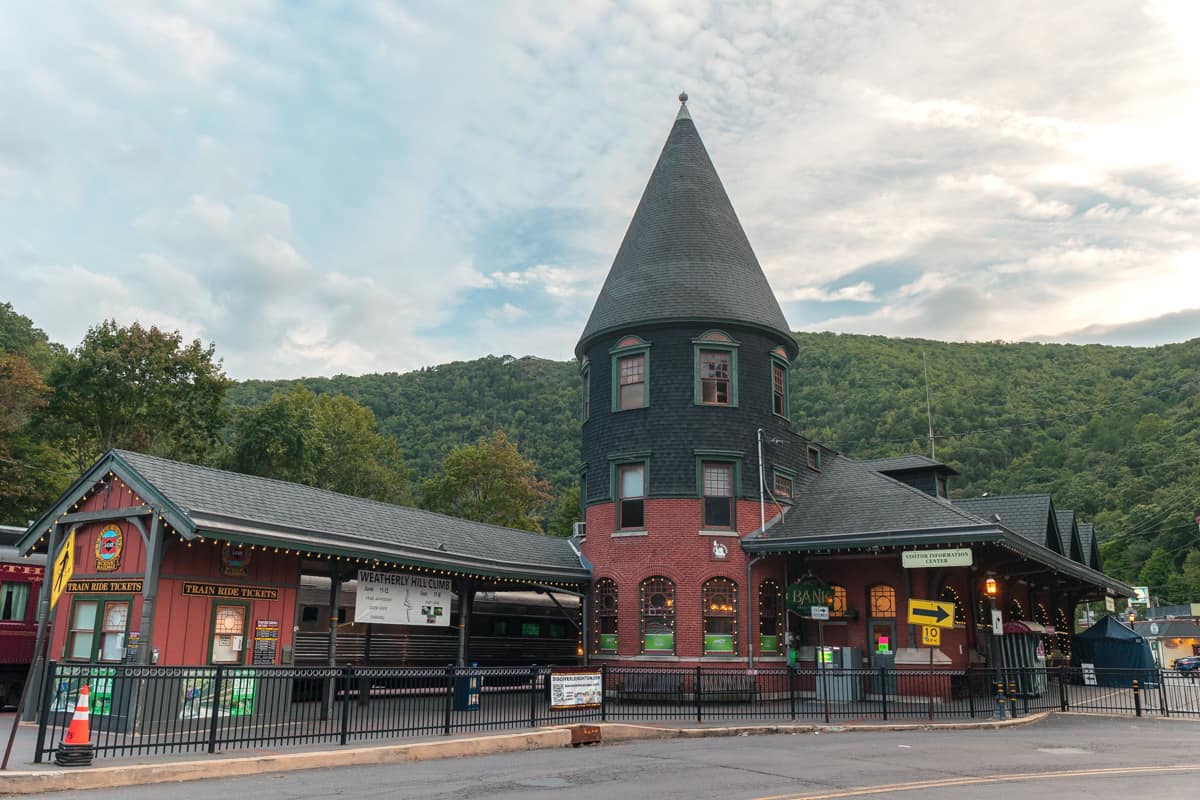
[(323, 188)]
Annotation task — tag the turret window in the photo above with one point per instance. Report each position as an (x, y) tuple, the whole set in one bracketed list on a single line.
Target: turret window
[(716, 381), (630, 374), (718, 495), (631, 498), (714, 378)]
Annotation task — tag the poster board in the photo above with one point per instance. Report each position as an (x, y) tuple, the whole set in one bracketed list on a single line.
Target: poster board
[(575, 689), (402, 598)]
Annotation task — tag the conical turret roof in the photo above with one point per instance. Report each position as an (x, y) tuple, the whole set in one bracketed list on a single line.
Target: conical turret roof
[(685, 255)]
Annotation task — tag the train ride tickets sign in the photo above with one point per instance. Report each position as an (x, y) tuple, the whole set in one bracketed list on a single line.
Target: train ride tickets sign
[(401, 598)]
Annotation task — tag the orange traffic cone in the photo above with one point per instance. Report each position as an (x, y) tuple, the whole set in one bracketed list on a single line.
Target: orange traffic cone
[(76, 747)]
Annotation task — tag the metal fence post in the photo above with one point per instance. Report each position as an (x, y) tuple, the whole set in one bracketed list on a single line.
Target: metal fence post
[(604, 692), (1162, 696), (1063, 700), (883, 689), (449, 699), (49, 679), (696, 691), (970, 694), (791, 672), (216, 710), (1137, 698), (347, 675), (533, 676)]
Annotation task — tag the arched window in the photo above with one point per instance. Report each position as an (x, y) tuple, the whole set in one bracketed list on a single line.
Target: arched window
[(604, 616), (1015, 609), (770, 629), (658, 615), (719, 596), (950, 595), (837, 606), (883, 601)]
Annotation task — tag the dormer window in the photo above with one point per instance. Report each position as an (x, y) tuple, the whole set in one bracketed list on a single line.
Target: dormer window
[(814, 458), (779, 382), (716, 369), (941, 487)]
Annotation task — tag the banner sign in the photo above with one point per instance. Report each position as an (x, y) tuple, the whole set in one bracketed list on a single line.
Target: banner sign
[(401, 598), (807, 592), (104, 587), (229, 592), (922, 559), (570, 690)]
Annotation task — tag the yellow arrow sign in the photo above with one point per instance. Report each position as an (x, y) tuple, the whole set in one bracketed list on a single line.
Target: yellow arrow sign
[(930, 612), (64, 568), (931, 636)]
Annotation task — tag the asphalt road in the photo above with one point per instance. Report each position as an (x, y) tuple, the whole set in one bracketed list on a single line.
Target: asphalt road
[(1065, 757)]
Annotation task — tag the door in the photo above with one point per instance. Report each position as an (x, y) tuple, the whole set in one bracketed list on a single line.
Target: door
[(883, 654)]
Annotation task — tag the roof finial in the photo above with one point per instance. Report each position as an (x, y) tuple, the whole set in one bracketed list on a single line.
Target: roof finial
[(683, 110)]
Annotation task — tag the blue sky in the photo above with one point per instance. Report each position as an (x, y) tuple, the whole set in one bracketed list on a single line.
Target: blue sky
[(324, 187)]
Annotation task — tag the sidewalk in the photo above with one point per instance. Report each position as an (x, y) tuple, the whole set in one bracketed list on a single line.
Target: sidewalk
[(24, 777)]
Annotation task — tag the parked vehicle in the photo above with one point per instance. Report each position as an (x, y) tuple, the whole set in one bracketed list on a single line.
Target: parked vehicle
[(1189, 665)]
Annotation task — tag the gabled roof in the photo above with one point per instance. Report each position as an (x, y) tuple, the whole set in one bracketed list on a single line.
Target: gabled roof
[(1068, 528), (201, 501), (1089, 545), (906, 463), (685, 255), (850, 498), (1030, 515), (850, 506)]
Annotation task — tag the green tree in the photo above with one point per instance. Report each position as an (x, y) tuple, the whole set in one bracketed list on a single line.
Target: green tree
[(327, 441), (489, 481), (564, 513), (140, 389)]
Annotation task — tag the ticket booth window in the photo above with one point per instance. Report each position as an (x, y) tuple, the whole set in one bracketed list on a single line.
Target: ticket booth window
[(229, 634), (97, 630)]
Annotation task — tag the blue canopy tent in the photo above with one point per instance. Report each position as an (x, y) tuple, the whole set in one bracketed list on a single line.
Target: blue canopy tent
[(1118, 653)]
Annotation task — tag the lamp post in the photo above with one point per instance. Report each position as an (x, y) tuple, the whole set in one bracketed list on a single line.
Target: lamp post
[(990, 589)]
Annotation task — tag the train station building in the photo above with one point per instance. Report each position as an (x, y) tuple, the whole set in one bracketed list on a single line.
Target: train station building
[(712, 526)]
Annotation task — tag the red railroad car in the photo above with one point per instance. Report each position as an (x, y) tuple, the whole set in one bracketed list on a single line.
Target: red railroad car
[(20, 585)]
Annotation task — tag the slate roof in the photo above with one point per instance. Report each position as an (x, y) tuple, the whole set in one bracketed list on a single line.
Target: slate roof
[(1087, 543), (1025, 514), (852, 497), (904, 463), (685, 254), (1069, 532), (249, 508)]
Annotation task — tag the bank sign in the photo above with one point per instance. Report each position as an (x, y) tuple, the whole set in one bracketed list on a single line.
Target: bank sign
[(807, 592)]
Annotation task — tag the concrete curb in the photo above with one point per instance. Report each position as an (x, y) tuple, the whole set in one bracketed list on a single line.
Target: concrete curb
[(57, 780)]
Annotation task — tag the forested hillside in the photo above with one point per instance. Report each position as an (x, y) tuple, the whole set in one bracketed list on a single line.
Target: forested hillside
[(1111, 432)]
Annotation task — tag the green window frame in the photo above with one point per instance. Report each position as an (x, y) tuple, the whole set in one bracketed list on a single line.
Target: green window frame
[(721, 343), (719, 615), (585, 409), (616, 465), (780, 395), (779, 474), (95, 637), (731, 459), (627, 349), (814, 458)]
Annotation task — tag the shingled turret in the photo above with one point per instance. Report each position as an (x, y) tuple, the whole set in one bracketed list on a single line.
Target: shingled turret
[(685, 255)]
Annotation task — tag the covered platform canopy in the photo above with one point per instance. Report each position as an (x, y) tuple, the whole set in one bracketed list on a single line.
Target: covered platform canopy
[(199, 503)]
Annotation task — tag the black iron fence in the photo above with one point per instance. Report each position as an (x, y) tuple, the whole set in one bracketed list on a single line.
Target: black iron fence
[(148, 710)]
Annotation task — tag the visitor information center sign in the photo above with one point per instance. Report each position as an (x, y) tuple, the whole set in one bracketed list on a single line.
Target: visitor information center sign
[(400, 598)]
